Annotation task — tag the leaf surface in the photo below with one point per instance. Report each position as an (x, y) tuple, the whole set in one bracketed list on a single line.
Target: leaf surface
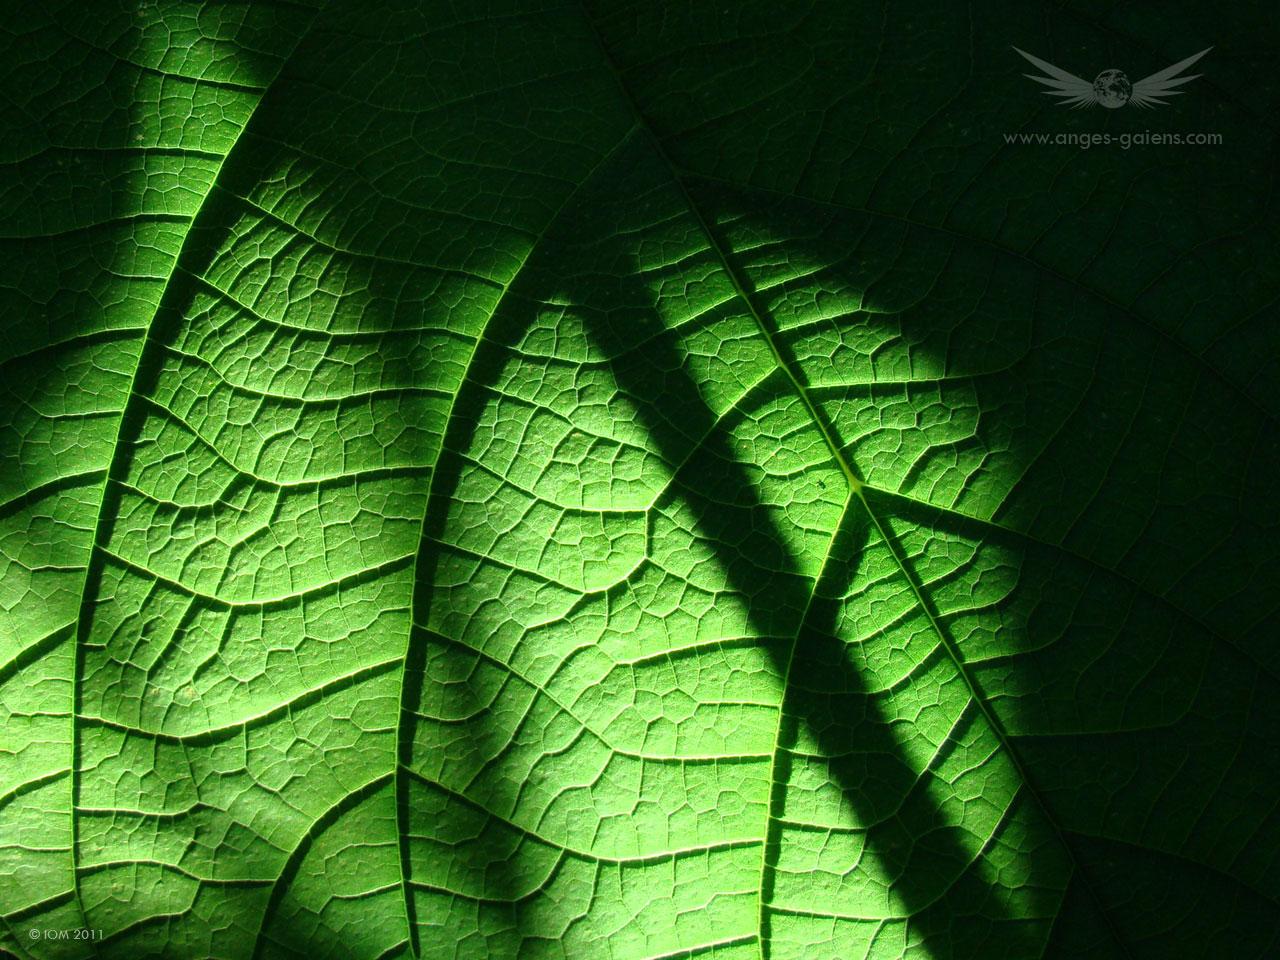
[(638, 480)]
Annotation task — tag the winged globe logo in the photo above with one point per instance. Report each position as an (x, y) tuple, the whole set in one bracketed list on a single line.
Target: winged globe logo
[(1111, 88)]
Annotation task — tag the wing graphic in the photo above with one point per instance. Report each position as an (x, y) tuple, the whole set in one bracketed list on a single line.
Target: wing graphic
[(1148, 91), (1075, 92)]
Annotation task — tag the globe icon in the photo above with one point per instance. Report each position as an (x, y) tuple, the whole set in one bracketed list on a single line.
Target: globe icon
[(1111, 88)]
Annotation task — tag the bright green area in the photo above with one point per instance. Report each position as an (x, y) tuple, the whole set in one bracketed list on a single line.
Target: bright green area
[(634, 480)]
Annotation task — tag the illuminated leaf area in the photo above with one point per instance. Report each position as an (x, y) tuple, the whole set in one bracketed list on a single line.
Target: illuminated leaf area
[(631, 480)]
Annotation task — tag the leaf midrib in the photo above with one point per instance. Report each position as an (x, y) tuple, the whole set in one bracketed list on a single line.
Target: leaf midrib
[(856, 491), (118, 464), (405, 714)]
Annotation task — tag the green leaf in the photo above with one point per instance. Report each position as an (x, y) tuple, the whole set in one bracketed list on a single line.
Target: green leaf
[(634, 480)]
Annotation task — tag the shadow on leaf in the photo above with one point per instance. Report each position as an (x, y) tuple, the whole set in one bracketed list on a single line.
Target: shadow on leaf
[(898, 860)]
